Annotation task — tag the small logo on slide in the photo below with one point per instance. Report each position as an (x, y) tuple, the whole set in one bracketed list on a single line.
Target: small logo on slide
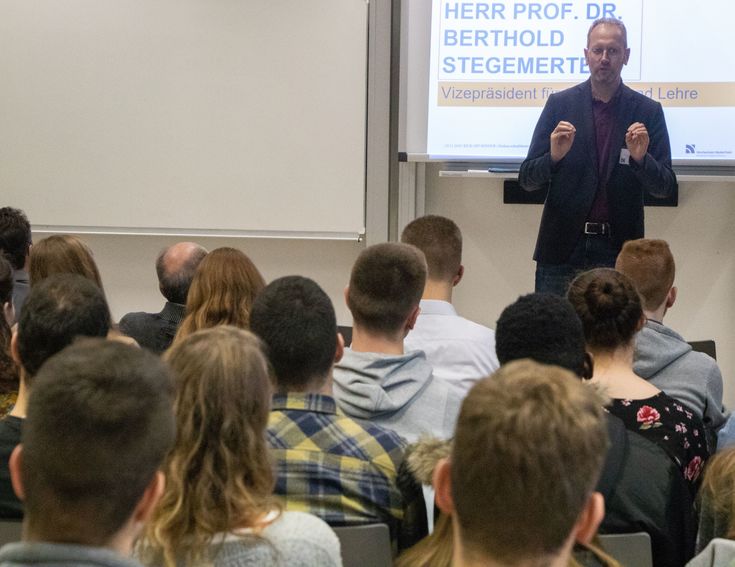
[(691, 149)]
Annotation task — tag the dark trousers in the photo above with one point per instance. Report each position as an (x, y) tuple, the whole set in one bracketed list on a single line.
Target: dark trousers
[(591, 251)]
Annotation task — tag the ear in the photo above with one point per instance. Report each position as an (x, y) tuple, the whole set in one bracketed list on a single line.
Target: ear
[(15, 465), (150, 498), (339, 353), (14, 347), (9, 313), (411, 321), (588, 366), (442, 482), (641, 322), (671, 297), (590, 518), (458, 277), (627, 56), (347, 293)]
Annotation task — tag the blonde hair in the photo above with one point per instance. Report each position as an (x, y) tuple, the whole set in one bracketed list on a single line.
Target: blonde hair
[(219, 476), (222, 292), (62, 254), (717, 494)]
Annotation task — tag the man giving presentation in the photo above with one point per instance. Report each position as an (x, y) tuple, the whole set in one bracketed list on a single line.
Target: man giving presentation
[(598, 147)]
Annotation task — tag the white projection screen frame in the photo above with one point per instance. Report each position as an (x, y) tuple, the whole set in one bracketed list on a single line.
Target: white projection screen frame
[(475, 74), (186, 116)]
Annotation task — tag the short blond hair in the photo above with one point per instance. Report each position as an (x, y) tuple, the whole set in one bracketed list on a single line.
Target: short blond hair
[(527, 453), (649, 264)]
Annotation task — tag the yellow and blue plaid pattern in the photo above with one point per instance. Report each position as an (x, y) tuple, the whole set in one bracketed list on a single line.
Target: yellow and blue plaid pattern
[(343, 470)]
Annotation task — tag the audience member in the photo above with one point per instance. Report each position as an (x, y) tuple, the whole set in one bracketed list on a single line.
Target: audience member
[(662, 356), (15, 244), (517, 495), (459, 350), (342, 470), (611, 314), (222, 292), (717, 501), (642, 486), (68, 254), (99, 425), (175, 267), (9, 376), (58, 310), (63, 254), (376, 379), (217, 507)]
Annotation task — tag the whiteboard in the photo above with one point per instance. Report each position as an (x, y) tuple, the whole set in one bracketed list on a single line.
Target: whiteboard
[(181, 116)]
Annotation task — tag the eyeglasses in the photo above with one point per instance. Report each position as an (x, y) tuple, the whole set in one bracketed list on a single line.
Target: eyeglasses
[(612, 52)]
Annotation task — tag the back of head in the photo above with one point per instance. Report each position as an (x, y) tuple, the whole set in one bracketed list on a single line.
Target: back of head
[(386, 284), (528, 450), (222, 292), (218, 475), (543, 327), (296, 320), (59, 309), (175, 267), (608, 305), (15, 236), (440, 239), (717, 493), (98, 427), (62, 254), (650, 266)]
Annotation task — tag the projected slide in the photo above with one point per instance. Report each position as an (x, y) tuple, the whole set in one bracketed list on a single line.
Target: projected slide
[(494, 64)]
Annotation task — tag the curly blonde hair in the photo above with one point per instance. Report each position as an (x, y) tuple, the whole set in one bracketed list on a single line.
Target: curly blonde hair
[(222, 292), (219, 476)]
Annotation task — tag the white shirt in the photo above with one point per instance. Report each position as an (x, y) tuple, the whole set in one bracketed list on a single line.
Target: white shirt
[(460, 350)]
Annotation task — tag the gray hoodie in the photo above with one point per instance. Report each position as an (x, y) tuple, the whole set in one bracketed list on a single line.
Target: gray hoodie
[(397, 392), (665, 359)]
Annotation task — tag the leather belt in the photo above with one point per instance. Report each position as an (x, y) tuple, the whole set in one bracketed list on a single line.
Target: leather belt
[(597, 228)]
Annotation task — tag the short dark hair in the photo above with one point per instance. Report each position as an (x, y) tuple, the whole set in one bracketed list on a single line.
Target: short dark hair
[(15, 236), (386, 283), (295, 319), (609, 306), (440, 239), (99, 424), (543, 327), (175, 284), (59, 309), (527, 453)]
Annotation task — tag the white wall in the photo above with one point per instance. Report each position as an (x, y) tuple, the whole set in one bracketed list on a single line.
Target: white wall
[(499, 241)]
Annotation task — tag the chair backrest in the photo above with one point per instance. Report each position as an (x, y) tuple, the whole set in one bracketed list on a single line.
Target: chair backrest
[(365, 546), (707, 347), (631, 550), (10, 531)]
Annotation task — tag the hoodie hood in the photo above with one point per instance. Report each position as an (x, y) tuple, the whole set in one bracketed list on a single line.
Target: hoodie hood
[(656, 347), (369, 384)]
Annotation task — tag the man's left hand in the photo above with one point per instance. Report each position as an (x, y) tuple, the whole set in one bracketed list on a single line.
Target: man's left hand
[(636, 140)]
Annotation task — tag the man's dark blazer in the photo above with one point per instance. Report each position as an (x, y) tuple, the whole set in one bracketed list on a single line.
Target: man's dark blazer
[(573, 181), (154, 331)]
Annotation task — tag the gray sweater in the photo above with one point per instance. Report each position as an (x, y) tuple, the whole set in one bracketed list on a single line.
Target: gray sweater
[(665, 359), (61, 555), (398, 392)]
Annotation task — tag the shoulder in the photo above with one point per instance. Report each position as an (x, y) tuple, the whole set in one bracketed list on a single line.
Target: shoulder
[(304, 539), (642, 101)]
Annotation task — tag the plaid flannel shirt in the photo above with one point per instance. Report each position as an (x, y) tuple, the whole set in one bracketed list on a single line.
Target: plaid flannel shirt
[(343, 470)]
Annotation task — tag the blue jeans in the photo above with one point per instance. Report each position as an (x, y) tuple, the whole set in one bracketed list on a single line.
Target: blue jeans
[(591, 251)]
